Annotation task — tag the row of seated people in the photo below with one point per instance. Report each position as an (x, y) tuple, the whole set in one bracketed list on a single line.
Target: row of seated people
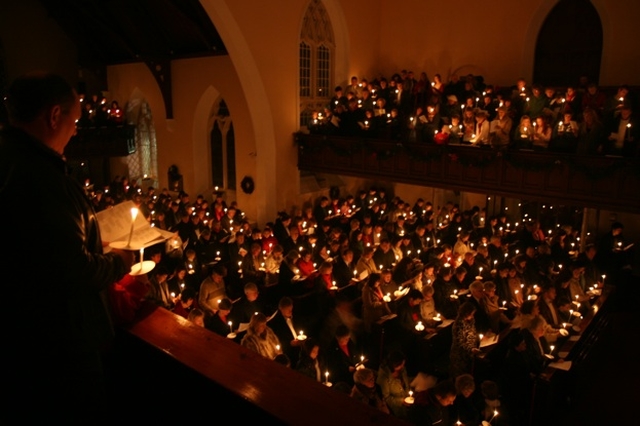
[(430, 307), (520, 118)]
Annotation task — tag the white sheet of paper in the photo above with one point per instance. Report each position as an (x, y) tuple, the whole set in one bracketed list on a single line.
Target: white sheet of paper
[(488, 340), (115, 226), (445, 323), (566, 365)]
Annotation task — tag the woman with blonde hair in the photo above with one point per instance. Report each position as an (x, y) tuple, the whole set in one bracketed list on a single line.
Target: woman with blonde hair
[(260, 338)]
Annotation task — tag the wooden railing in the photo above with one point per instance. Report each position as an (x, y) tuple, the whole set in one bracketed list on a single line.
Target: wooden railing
[(233, 381), (553, 386), (591, 181), (102, 142)]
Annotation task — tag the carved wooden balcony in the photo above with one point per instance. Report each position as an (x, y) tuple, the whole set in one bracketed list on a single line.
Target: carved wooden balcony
[(107, 141), (604, 182)]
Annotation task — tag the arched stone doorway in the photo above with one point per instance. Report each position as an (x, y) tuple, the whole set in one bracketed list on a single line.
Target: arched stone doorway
[(569, 44)]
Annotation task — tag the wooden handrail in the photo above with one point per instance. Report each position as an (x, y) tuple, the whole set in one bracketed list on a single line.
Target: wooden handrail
[(590, 181), (285, 394), (578, 349)]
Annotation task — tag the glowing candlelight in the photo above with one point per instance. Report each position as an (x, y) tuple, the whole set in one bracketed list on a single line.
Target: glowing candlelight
[(134, 214), (409, 400), (141, 257)]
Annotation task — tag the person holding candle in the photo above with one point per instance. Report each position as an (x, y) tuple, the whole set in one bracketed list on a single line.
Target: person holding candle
[(272, 266), (498, 320), (409, 314), (373, 305), (570, 285), (542, 134), (468, 403), (212, 290), (253, 264), (565, 134), (447, 302), (159, 293), (481, 129), (342, 355), (55, 356), (286, 326), (516, 287), (432, 406), (384, 255), (547, 306), (306, 268), (185, 302), (428, 311), (536, 102), (536, 344), (343, 269), (465, 341), (524, 133), (250, 303), (394, 383), (478, 299), (624, 133), (309, 362), (219, 322)]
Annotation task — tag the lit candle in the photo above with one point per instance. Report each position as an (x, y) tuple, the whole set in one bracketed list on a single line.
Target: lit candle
[(134, 214), (141, 257), (326, 379), (409, 400)]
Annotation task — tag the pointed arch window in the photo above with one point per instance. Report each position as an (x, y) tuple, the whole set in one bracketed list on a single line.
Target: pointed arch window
[(223, 148), (317, 52)]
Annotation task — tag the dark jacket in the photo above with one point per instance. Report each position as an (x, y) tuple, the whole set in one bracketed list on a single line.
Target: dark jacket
[(62, 282)]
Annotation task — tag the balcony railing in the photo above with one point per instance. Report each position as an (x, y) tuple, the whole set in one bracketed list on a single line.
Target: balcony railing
[(107, 141), (605, 182)]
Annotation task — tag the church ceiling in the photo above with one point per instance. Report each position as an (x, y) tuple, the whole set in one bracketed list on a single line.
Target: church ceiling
[(108, 32)]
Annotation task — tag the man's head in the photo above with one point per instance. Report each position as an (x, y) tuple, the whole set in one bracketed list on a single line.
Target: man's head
[(251, 292), (286, 307), (45, 106)]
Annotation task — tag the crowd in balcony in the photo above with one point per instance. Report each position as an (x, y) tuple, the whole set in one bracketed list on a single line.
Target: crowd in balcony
[(97, 111), (395, 303), (580, 119)]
